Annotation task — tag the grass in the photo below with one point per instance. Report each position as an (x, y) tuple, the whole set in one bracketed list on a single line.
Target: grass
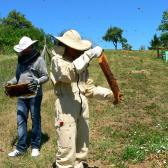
[(131, 134)]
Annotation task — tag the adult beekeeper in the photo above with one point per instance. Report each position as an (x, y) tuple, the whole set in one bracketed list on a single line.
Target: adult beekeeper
[(30, 69), (69, 75)]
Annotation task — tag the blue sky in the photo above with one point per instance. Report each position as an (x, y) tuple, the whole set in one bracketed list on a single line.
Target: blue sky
[(138, 18)]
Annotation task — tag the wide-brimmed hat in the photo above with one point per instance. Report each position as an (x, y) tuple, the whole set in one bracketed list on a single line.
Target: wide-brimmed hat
[(73, 39), (24, 43)]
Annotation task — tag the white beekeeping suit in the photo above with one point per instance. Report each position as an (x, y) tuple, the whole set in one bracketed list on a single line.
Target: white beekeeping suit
[(71, 84)]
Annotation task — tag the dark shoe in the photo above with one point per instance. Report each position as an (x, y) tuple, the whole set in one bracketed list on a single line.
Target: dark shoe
[(85, 165), (54, 165)]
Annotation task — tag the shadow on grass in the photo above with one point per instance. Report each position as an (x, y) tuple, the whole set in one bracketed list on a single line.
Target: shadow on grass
[(44, 139)]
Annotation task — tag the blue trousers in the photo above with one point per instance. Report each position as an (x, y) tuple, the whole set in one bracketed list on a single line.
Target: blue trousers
[(25, 105)]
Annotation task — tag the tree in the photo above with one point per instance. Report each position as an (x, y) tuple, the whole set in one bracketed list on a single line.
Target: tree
[(113, 34), (164, 22), (16, 20), (15, 26), (142, 47), (155, 42), (164, 39), (125, 45), (163, 27)]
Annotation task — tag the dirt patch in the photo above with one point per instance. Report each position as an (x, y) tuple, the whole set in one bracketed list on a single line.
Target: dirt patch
[(147, 164), (152, 161), (98, 164), (144, 72)]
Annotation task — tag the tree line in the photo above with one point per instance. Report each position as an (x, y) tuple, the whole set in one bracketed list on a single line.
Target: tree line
[(114, 34), (15, 25), (161, 41)]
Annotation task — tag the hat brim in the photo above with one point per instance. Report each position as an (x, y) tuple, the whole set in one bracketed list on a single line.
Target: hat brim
[(80, 45), (19, 48)]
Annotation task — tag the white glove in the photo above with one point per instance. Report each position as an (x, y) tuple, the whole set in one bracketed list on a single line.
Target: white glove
[(11, 82), (94, 52), (82, 62), (8, 83)]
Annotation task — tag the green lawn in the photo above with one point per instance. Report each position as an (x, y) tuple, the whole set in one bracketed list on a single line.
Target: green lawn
[(131, 134)]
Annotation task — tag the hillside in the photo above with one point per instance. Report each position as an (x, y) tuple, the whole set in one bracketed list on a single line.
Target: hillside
[(132, 134)]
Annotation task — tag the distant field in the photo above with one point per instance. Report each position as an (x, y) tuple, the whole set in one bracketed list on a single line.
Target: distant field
[(133, 134)]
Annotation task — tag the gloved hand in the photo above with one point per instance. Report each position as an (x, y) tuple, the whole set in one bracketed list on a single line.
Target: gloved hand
[(32, 86), (8, 83), (94, 52)]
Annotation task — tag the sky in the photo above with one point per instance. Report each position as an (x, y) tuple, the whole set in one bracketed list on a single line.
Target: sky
[(139, 19)]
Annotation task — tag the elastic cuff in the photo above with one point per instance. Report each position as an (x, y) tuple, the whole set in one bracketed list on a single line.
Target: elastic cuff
[(38, 81)]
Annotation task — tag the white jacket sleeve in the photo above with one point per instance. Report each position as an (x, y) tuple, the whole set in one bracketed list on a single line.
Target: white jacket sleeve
[(42, 68), (82, 62), (62, 71), (97, 91)]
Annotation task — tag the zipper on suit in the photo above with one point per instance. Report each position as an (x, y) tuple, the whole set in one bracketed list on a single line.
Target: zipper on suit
[(79, 94)]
